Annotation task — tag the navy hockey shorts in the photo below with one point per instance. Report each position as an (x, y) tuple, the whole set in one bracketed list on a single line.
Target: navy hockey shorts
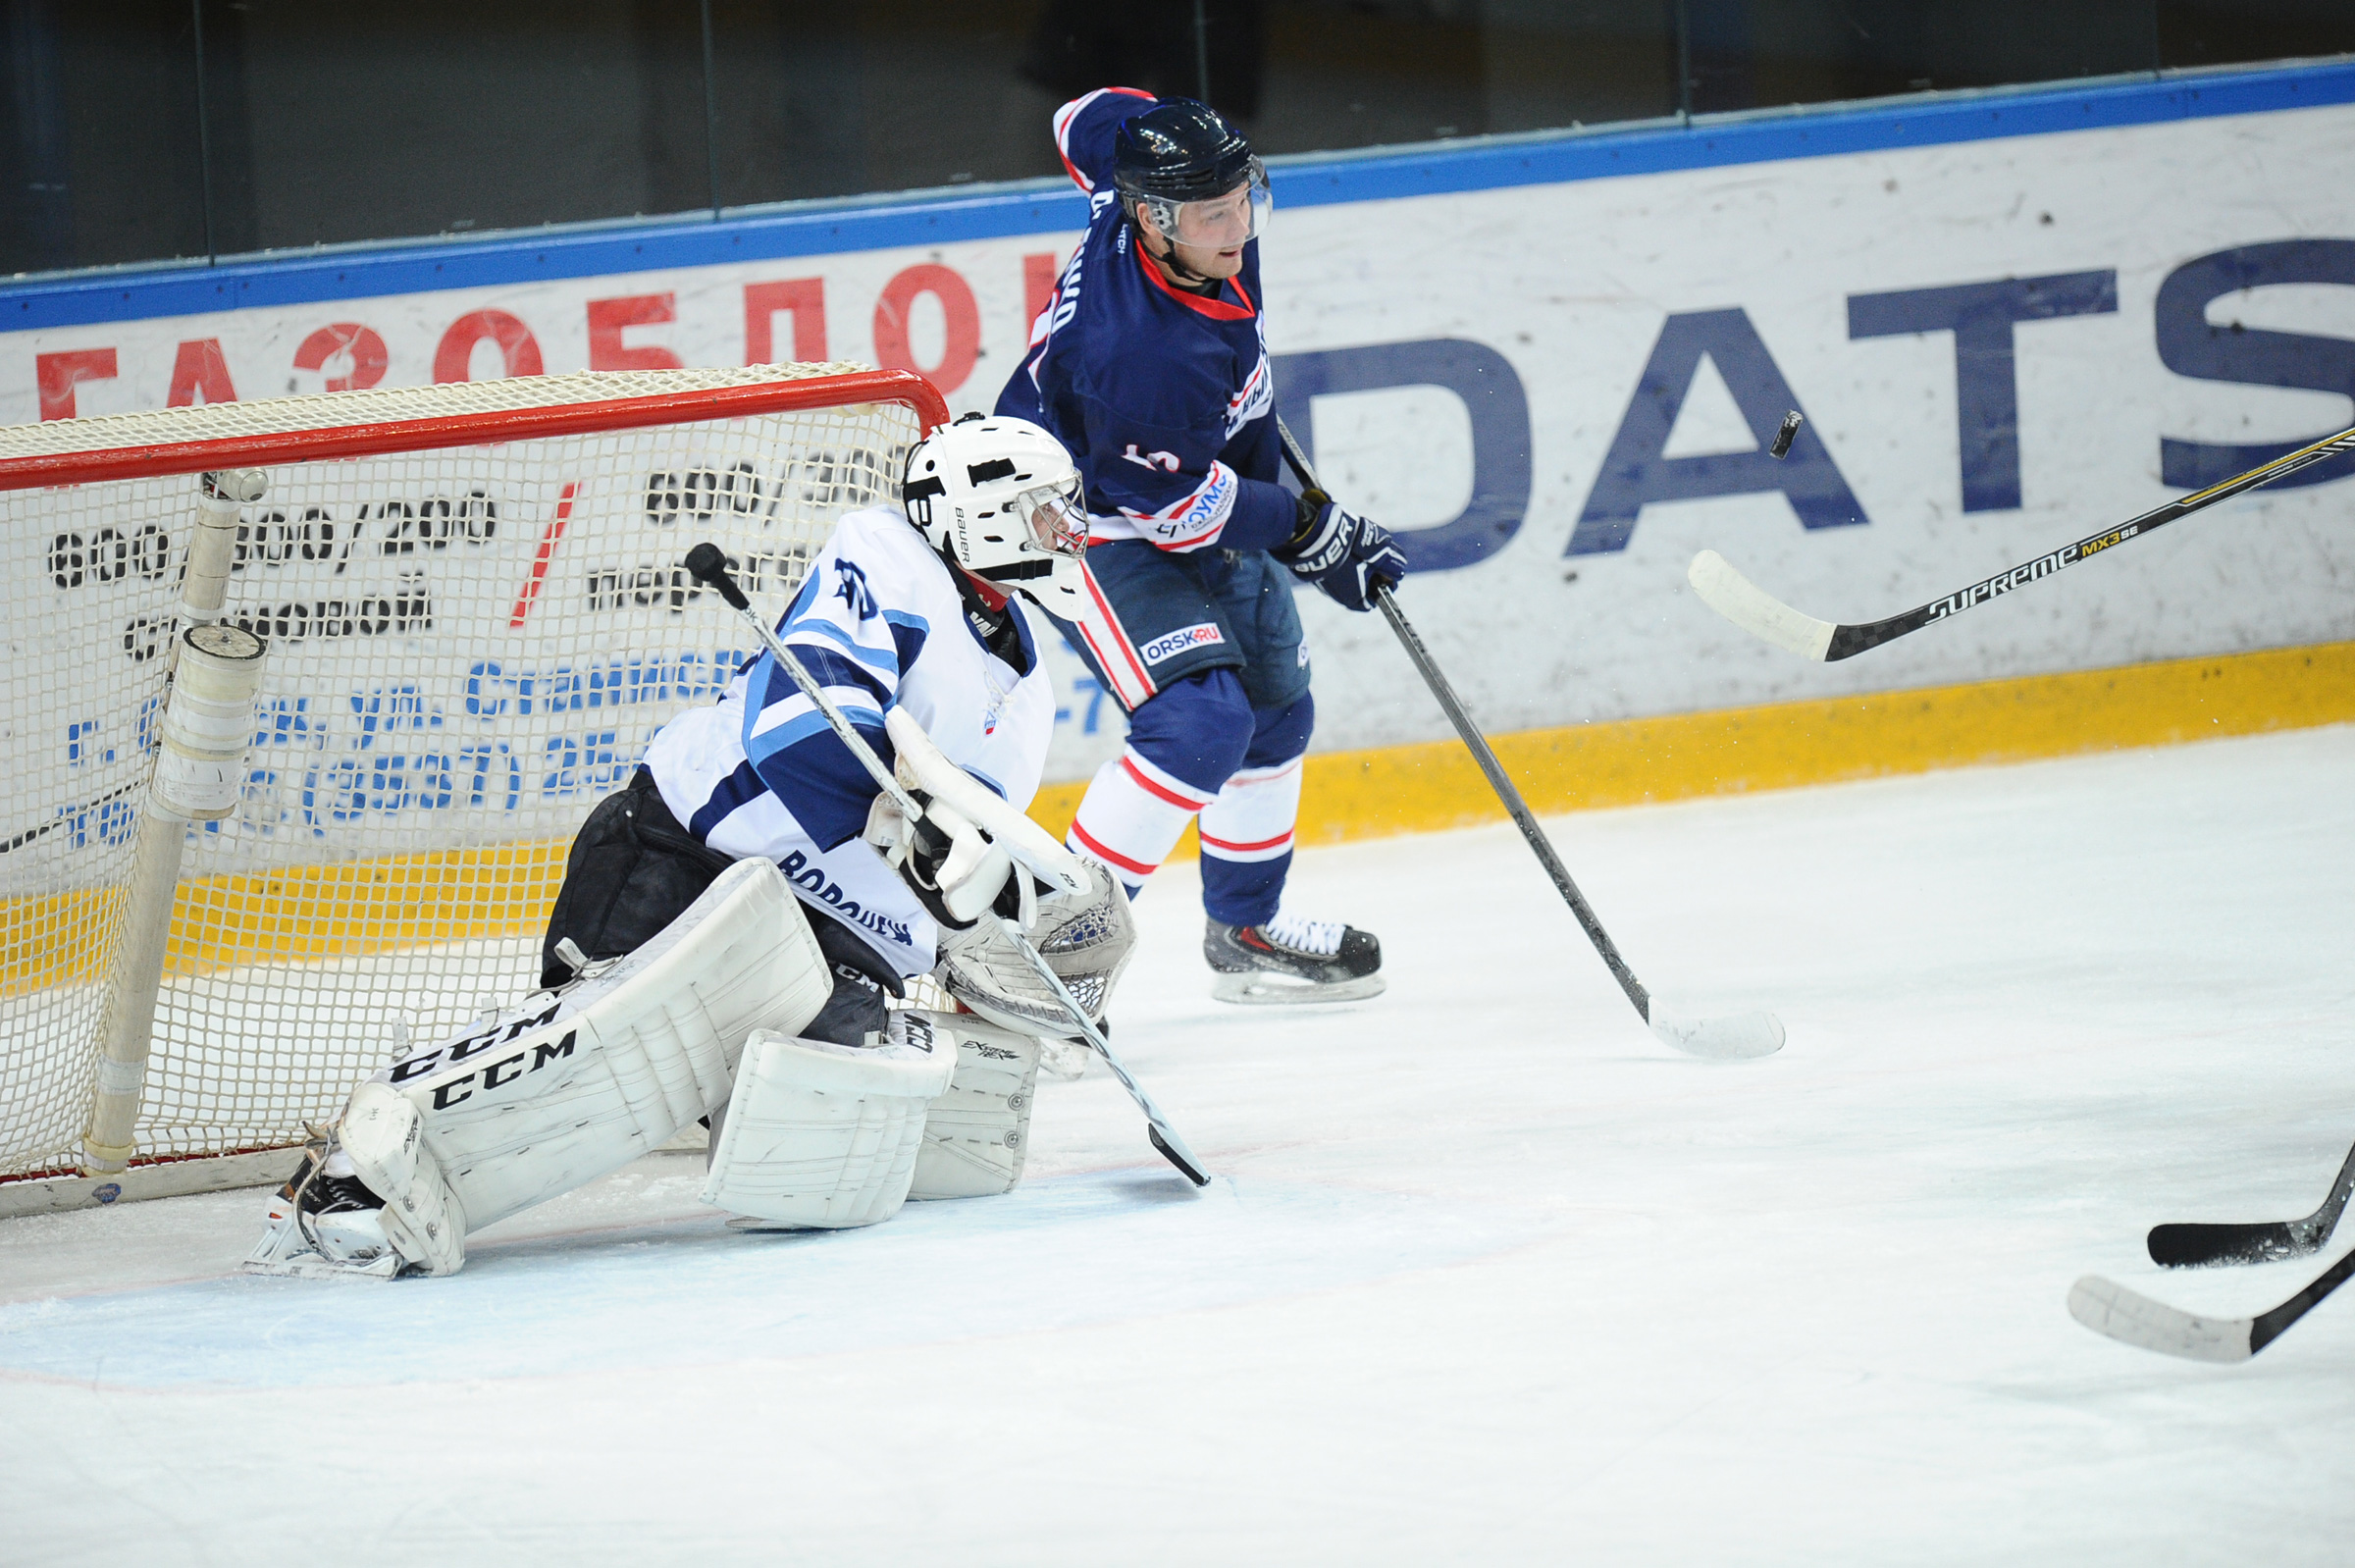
[(1160, 616)]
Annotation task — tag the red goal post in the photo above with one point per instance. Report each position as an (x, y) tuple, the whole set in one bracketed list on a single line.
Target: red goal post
[(476, 614)]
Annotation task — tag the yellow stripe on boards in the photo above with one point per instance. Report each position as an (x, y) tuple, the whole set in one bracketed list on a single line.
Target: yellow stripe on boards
[(1435, 784), (324, 912), (301, 914)]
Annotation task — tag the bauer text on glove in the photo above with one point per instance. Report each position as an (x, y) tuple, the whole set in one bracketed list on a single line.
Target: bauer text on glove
[(1343, 554)]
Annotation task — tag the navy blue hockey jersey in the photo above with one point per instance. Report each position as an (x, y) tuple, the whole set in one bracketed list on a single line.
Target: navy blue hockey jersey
[(1162, 395)]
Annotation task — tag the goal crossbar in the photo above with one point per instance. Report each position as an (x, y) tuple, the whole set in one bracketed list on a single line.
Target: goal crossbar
[(141, 445)]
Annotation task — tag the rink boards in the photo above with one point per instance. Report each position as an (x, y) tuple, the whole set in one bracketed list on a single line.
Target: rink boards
[(1553, 362)]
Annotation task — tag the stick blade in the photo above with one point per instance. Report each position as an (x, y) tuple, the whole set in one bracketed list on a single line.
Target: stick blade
[(1173, 1149), (2194, 1245), (1736, 1037), (2111, 1309), (1758, 612)]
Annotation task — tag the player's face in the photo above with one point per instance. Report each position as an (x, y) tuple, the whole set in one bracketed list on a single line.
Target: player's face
[(1209, 235), (1220, 223), (1210, 262), (1055, 517)]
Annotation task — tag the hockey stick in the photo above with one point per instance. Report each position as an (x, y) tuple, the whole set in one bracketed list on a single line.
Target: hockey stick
[(709, 566), (2195, 1245), (1741, 1035), (66, 814), (2114, 1310), (1758, 612)]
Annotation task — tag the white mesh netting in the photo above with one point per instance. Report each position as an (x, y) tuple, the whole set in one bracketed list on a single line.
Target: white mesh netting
[(468, 647)]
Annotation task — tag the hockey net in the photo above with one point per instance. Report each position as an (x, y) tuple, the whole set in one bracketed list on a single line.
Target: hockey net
[(476, 616)]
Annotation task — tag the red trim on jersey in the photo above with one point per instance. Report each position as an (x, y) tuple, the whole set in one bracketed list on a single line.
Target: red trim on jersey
[(1070, 111), (1215, 309), (1184, 503), (1163, 791), (1121, 861), (1245, 849)]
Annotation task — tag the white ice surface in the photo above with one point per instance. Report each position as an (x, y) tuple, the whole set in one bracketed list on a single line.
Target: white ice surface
[(1489, 1274)]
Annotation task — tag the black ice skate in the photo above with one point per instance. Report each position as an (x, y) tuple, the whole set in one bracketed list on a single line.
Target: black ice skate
[(1292, 960)]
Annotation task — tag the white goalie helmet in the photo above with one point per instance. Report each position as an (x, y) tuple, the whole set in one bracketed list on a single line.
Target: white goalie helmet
[(1002, 497)]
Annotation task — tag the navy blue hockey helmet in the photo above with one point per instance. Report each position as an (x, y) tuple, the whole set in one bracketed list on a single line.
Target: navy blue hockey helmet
[(1193, 174), (1179, 150)]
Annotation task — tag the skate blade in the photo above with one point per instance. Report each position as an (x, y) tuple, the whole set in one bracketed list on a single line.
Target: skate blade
[(749, 1224), (313, 1265), (1262, 988)]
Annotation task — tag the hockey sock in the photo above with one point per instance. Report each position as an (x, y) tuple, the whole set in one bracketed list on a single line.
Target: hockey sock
[(1132, 815), (1247, 844), (1184, 742), (1247, 831)]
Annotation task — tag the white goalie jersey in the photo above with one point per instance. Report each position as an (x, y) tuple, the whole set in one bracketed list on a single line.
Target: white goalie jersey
[(880, 624)]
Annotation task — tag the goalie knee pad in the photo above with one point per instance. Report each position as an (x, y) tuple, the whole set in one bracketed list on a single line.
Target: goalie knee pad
[(824, 1135), (579, 1082), (978, 1131)]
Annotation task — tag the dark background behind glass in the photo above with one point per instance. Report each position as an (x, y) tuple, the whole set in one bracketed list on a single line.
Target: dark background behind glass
[(150, 129)]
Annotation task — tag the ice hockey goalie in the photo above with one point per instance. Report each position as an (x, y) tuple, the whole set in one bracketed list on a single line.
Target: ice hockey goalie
[(735, 924)]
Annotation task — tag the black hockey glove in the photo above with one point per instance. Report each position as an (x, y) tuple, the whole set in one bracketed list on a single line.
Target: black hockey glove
[(1341, 553)]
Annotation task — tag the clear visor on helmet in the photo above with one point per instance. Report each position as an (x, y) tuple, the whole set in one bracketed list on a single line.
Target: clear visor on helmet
[(1055, 516), (1221, 223)]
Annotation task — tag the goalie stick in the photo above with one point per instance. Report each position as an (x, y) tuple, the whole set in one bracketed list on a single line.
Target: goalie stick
[(709, 566), (2136, 1320), (1733, 1036), (2195, 1245), (1762, 616)]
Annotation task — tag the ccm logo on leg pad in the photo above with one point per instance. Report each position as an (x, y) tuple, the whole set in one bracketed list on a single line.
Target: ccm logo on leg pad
[(530, 1058)]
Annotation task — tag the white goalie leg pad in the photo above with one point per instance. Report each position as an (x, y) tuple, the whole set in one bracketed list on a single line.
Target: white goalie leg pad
[(824, 1135), (577, 1084), (978, 1131), (1087, 938)]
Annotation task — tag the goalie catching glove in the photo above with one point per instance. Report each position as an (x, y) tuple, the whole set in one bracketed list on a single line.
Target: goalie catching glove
[(976, 863)]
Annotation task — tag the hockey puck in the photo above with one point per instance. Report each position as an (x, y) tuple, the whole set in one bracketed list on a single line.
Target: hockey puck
[(1783, 437)]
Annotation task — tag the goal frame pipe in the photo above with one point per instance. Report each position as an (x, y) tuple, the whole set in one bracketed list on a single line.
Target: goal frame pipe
[(380, 438), (127, 1030)]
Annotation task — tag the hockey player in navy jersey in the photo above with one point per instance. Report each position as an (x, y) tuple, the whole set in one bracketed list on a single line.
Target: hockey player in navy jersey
[(1151, 365), (730, 922)]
